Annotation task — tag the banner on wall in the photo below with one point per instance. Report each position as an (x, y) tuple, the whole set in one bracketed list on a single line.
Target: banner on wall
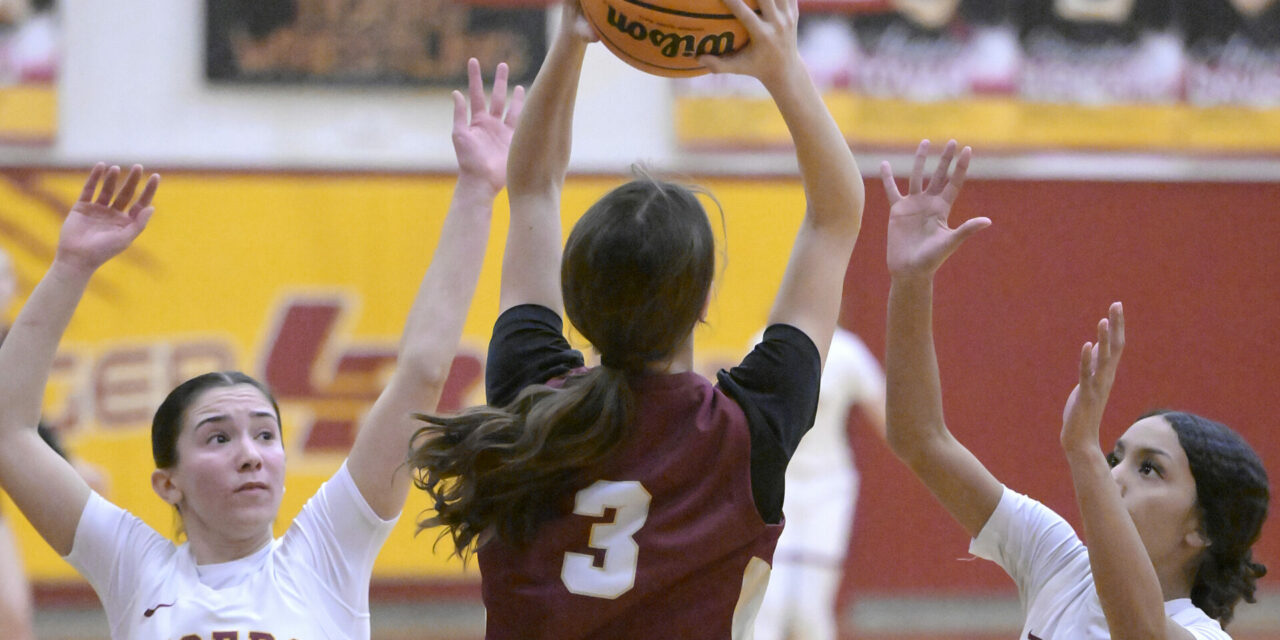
[(30, 37), (369, 42), (273, 274), (1046, 74)]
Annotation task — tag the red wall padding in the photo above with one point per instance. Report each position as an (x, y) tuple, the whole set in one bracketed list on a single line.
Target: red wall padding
[(1198, 269)]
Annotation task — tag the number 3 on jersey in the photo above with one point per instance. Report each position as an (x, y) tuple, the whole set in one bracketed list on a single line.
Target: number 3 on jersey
[(630, 502)]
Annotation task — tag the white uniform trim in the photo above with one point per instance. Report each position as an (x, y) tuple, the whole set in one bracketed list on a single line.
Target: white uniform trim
[(1050, 565), (310, 584)]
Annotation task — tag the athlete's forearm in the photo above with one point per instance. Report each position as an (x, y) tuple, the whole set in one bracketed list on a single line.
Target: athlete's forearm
[(828, 171), (427, 348), (536, 169), (915, 427), (913, 393), (434, 326), (41, 483), (1126, 581), (27, 354), (542, 141), (809, 297)]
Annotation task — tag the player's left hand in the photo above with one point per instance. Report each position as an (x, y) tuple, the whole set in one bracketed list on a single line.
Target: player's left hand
[(482, 133), (99, 227), (574, 23), (772, 54), (919, 236), (1082, 417)]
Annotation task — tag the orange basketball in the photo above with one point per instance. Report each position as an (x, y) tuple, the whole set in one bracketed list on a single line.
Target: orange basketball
[(663, 37)]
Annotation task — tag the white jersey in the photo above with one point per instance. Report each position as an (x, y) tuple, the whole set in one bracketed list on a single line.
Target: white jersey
[(822, 486), (1050, 565), (850, 376), (310, 584)]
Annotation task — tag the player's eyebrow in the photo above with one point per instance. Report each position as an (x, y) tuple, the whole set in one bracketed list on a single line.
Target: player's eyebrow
[(212, 419), (1155, 451), (221, 417)]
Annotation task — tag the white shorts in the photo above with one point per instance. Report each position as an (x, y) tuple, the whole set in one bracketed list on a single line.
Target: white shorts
[(819, 516)]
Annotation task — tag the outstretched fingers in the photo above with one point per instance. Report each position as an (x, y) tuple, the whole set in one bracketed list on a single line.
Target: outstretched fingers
[(968, 228), (495, 104), (91, 183), (890, 185), (939, 180), (459, 111), (108, 186), (498, 97), (917, 169), (142, 209), (957, 236), (130, 185), (956, 182), (1116, 314), (475, 88), (1100, 358), (1086, 364), (1104, 342), (516, 106)]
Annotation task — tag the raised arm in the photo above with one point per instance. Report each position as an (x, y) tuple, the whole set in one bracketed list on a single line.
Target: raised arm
[(481, 136), (46, 488), (809, 297), (1128, 587), (15, 592), (536, 170), (919, 240)]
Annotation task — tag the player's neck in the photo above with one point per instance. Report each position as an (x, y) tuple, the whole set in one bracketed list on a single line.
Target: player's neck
[(210, 548), (1176, 581), (680, 362)]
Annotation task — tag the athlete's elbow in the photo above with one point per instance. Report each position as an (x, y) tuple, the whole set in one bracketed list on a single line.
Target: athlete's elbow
[(426, 369), (904, 444), (913, 444)]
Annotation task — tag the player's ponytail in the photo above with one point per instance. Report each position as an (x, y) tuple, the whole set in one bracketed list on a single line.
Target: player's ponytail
[(635, 277), (507, 469)]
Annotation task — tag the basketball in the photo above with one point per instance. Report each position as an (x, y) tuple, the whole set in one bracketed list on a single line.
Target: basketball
[(664, 37)]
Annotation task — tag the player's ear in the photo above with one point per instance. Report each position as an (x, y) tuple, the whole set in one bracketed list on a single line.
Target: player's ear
[(1196, 540), (1193, 532), (162, 483)]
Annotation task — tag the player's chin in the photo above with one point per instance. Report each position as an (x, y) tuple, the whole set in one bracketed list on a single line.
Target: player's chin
[(255, 515)]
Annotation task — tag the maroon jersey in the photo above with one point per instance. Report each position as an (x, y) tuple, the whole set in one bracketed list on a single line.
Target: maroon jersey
[(671, 536)]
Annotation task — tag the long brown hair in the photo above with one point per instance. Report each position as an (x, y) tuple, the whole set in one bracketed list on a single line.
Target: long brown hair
[(635, 276)]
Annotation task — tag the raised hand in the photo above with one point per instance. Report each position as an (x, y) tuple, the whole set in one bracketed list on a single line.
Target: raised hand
[(919, 237), (481, 141), (1082, 417), (98, 228), (772, 53), (574, 23)]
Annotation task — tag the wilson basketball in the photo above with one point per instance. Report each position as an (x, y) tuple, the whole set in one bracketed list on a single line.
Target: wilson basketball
[(664, 37)]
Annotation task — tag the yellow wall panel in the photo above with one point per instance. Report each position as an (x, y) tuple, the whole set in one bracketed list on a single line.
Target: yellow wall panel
[(721, 122), (28, 113), (208, 284)]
